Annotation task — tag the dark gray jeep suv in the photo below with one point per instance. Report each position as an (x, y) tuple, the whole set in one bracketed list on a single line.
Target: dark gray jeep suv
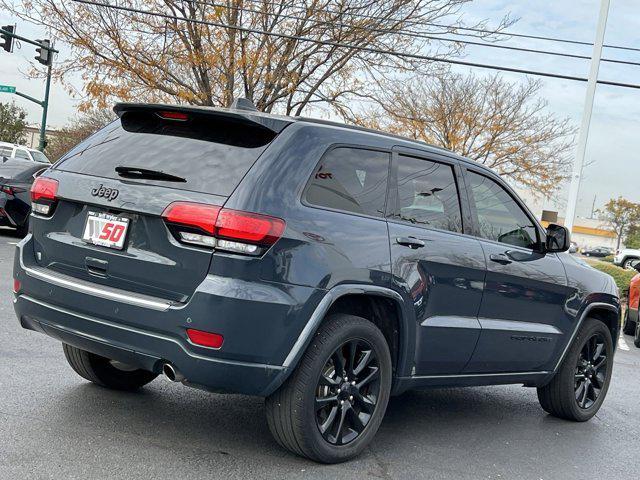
[(321, 266)]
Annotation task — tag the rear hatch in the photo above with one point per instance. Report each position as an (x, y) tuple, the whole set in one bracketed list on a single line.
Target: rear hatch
[(106, 225)]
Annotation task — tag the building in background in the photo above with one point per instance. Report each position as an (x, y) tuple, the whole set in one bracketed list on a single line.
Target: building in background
[(32, 135), (586, 232)]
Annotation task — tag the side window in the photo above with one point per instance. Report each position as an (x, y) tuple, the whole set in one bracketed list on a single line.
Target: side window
[(6, 152), (500, 218), (352, 180), (20, 153), (428, 194)]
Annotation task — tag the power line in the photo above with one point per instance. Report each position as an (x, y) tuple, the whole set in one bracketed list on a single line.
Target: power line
[(450, 28), (408, 34), (331, 43)]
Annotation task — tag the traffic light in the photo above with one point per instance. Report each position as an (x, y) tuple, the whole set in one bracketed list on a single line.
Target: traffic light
[(7, 43), (44, 54)]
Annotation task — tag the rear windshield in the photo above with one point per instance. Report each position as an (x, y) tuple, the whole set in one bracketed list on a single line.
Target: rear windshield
[(211, 154), (18, 170)]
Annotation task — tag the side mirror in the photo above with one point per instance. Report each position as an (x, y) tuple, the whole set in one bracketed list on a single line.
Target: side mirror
[(558, 239)]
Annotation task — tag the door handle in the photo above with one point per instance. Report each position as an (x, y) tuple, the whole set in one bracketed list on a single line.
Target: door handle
[(411, 242), (501, 258)]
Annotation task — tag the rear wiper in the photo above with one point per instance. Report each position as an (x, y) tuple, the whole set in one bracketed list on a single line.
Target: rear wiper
[(137, 172)]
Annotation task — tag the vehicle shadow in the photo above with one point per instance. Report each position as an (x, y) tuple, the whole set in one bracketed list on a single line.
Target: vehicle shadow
[(184, 422)]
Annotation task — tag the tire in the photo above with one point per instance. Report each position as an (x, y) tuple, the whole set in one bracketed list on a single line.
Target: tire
[(636, 336), (291, 411), (101, 371), (629, 327), (561, 396), (587, 254)]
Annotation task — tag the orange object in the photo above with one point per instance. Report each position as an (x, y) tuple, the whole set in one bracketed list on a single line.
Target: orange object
[(634, 297)]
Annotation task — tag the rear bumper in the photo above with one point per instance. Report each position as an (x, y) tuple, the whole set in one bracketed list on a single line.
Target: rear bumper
[(260, 325)]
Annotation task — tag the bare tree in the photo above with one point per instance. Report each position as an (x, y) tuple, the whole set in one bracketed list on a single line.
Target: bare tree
[(247, 48), (502, 125)]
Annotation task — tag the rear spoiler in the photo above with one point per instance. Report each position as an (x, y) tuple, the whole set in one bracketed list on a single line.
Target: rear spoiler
[(273, 123)]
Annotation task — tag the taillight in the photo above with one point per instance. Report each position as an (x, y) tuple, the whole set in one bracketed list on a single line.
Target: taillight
[(44, 193), (223, 228), (205, 339), (168, 115), (17, 285)]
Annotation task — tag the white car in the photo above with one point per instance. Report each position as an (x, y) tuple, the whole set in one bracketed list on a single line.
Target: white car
[(627, 257), (11, 150)]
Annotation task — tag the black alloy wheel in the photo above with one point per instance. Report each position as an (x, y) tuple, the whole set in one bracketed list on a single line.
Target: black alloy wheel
[(591, 371), (347, 392)]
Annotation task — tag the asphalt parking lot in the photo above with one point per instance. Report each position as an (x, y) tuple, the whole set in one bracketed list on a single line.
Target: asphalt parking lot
[(55, 425)]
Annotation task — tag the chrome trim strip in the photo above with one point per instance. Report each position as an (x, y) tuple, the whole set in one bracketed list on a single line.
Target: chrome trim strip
[(83, 286), (322, 308), (445, 321), (517, 326), (108, 293), (474, 375)]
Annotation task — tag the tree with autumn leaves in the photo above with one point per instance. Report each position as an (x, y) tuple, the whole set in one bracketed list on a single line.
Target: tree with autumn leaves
[(359, 59), (502, 125), (622, 216)]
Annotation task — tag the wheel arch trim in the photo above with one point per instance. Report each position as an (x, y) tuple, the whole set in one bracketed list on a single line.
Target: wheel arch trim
[(587, 309), (323, 307)]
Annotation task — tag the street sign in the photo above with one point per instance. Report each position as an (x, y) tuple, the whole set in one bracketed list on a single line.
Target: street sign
[(7, 89)]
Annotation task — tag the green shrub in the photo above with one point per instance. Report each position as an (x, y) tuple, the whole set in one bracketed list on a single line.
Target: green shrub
[(621, 276), (608, 258)]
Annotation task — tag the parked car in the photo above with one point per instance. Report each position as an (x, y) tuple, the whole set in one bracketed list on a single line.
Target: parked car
[(631, 314), (12, 150), (573, 247), (16, 177), (627, 257), (322, 266), (596, 252)]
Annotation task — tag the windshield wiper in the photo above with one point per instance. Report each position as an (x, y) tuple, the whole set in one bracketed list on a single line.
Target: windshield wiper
[(137, 172)]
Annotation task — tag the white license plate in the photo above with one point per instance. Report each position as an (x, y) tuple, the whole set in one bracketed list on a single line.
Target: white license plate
[(106, 230)]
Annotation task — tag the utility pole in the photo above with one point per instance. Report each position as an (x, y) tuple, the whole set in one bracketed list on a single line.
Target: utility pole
[(578, 163), (45, 57), (593, 207)]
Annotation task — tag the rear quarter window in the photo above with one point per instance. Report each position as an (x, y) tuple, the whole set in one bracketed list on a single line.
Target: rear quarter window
[(350, 180), (212, 154)]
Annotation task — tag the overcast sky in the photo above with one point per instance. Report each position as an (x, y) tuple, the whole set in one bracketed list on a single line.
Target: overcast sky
[(614, 140)]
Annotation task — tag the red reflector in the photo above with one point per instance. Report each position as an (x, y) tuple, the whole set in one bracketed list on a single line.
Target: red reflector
[(174, 116), (17, 285), (249, 227), (195, 215), (206, 339), (44, 188)]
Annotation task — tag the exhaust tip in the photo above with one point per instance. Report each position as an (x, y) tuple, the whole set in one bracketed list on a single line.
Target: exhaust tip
[(172, 373)]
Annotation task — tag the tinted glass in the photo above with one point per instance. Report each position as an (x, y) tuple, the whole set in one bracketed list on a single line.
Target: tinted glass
[(210, 153), (499, 216), (22, 154), (428, 194), (351, 179), (18, 170)]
